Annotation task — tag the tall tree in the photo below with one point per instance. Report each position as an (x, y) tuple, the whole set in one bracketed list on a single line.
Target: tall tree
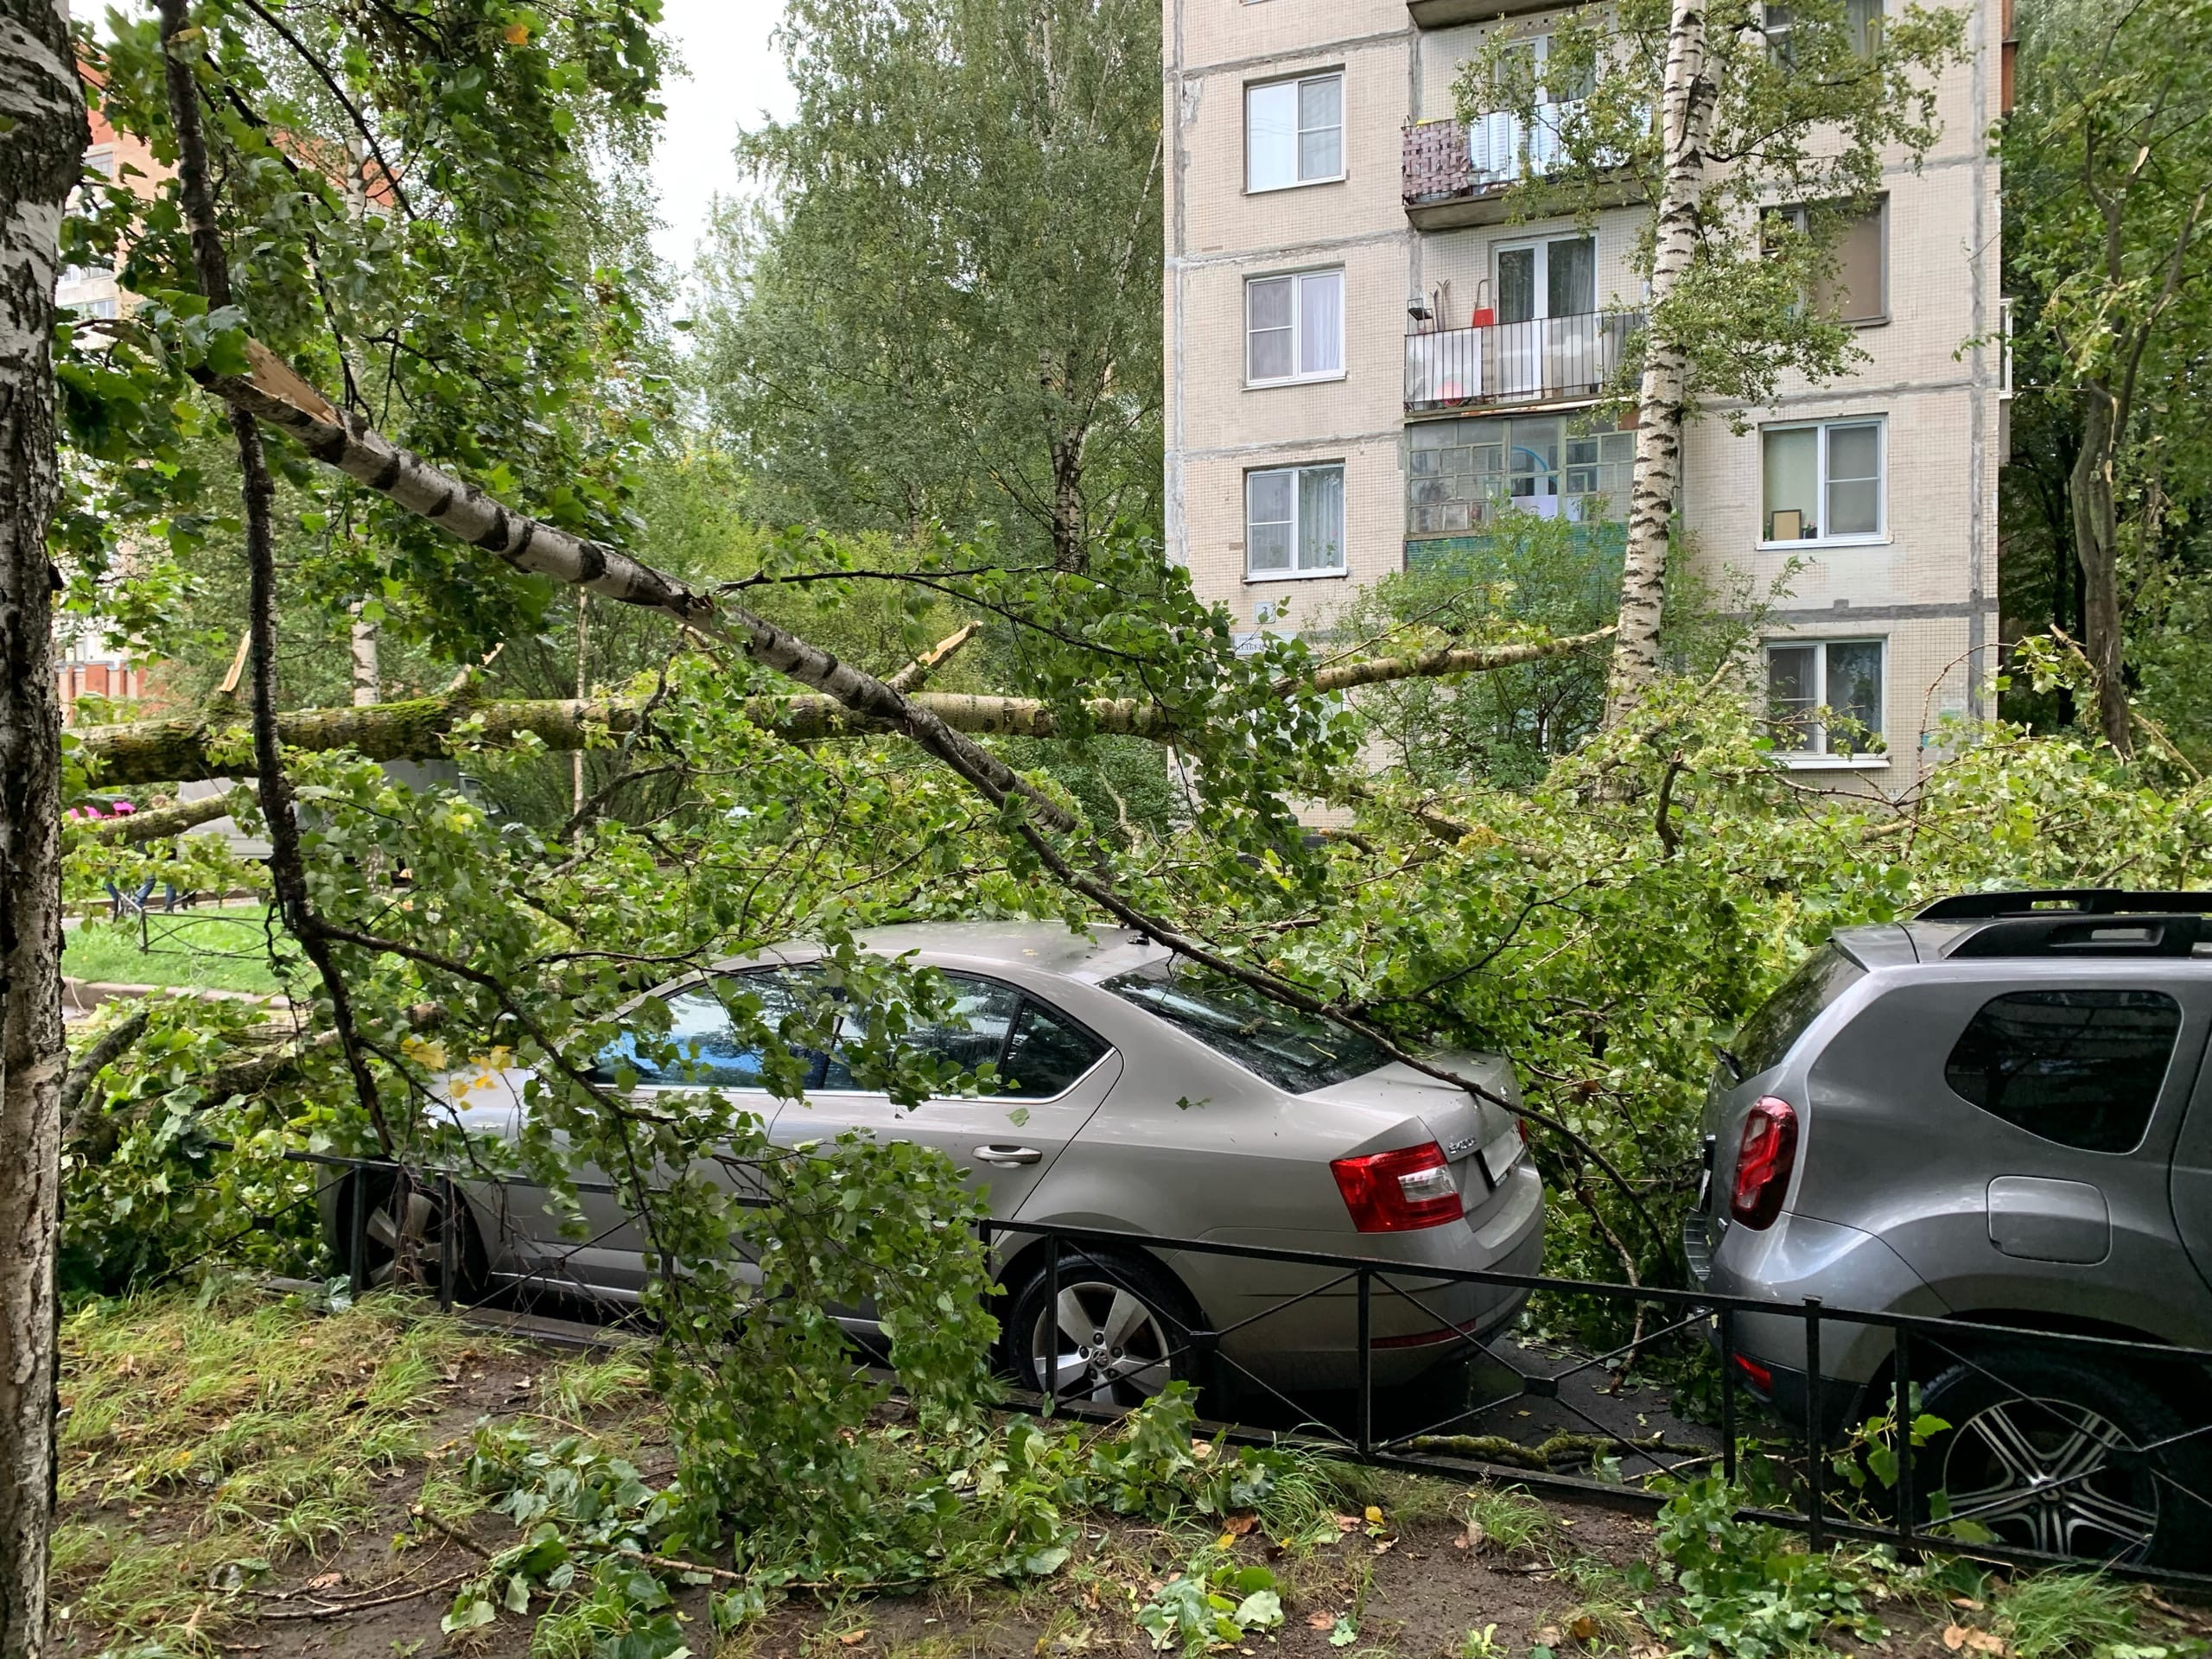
[(1713, 112), (952, 311), (43, 115), (2109, 173)]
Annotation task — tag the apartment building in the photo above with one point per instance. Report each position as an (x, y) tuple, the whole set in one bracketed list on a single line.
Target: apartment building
[(1367, 362)]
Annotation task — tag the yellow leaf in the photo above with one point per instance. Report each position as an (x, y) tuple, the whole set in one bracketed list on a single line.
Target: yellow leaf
[(518, 34), (1227, 1540), (1374, 1515)]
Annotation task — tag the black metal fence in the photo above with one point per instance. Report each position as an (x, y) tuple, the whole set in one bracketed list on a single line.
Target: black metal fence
[(1811, 1409)]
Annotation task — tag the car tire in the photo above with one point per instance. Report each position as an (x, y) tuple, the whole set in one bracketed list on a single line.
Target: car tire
[(1124, 1329), (2045, 1450), (401, 1244)]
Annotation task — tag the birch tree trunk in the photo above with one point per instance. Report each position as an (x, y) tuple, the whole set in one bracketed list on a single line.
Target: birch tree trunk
[(42, 111), (1687, 103)]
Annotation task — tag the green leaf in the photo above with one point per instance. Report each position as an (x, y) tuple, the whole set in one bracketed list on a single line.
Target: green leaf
[(478, 1613), (1261, 1611)]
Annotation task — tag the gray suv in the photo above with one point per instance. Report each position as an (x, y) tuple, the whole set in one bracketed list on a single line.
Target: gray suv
[(1996, 1113)]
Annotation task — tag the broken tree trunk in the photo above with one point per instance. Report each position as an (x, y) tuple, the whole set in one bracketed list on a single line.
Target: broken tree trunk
[(186, 751)]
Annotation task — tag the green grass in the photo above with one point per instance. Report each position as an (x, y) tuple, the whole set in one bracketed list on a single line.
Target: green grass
[(214, 950), (2046, 1615), (205, 1443)]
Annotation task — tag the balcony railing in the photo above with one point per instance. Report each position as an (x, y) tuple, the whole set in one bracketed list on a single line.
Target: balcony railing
[(1549, 359)]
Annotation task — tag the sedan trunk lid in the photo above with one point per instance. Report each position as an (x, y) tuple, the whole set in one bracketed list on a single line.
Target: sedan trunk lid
[(1481, 1138)]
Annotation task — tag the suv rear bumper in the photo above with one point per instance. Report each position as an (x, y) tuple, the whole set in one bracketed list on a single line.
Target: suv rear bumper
[(1797, 1260)]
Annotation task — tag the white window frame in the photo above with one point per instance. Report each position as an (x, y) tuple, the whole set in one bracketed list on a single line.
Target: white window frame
[(1820, 759), (1542, 247), (1343, 157), (1300, 374), (1880, 534), (1336, 571)]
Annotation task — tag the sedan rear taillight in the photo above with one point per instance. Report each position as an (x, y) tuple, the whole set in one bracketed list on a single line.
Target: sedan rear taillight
[(1764, 1157), (1398, 1192)]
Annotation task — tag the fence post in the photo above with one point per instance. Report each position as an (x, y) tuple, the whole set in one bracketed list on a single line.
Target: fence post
[(1908, 1503), (357, 1261), (1728, 1395), (1815, 1440), (1366, 1366), (449, 1226), (1050, 1357)]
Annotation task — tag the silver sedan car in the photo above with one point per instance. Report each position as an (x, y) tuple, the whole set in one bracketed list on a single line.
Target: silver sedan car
[(1139, 1095)]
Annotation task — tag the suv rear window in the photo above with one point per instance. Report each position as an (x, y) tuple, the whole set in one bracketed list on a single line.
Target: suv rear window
[(2081, 1068), (1766, 1037), (1293, 1050)]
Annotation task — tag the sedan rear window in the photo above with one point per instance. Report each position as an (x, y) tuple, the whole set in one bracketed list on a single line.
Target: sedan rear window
[(2081, 1068), (1769, 1035), (1294, 1051)]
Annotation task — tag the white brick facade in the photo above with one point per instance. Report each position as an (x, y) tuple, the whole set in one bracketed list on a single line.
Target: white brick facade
[(1926, 585)]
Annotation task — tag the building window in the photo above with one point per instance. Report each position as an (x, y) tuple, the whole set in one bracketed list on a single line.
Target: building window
[(1461, 475), (1857, 290), (1294, 522), (1822, 481), (1825, 697), (1294, 327), (1294, 132), (1862, 23)]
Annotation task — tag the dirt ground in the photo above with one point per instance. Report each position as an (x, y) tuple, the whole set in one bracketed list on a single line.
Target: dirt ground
[(155, 1558)]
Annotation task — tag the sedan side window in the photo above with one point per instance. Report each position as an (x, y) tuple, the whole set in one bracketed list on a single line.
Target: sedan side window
[(1048, 1054), (2081, 1068), (708, 1052), (974, 1035)]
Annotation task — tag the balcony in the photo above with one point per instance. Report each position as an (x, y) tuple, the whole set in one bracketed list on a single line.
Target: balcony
[(1456, 173), (1547, 362), (1443, 14)]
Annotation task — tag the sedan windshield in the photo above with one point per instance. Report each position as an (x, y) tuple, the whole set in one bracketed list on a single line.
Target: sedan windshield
[(1293, 1050)]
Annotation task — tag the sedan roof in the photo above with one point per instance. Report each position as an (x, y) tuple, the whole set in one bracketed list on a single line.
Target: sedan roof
[(1046, 947)]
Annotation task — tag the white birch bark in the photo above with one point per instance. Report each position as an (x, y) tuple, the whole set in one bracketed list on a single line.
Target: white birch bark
[(1687, 107)]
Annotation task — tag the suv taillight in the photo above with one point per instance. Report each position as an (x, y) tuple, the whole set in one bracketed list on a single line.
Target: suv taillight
[(1764, 1157), (1398, 1192)]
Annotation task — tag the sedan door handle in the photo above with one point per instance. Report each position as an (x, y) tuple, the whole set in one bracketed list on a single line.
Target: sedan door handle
[(1007, 1157)]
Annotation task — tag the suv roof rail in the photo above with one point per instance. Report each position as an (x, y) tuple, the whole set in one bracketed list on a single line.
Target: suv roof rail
[(2060, 934), (2058, 902)]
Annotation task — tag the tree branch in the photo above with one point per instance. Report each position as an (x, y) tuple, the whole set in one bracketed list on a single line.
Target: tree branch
[(464, 512)]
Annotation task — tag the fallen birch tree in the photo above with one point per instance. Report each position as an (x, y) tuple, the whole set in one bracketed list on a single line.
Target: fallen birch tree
[(191, 748)]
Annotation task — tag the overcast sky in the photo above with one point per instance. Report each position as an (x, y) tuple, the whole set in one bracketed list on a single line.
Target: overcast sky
[(734, 79)]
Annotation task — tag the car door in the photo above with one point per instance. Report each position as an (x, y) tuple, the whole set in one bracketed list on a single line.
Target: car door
[(610, 1255), (1054, 1071), (2190, 1183)]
